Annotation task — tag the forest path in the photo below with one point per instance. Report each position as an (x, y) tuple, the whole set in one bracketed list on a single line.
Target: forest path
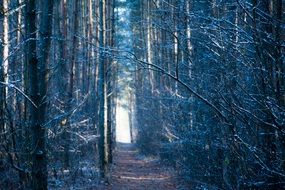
[(131, 171)]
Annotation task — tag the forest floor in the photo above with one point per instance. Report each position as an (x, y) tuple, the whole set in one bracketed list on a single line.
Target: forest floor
[(132, 171)]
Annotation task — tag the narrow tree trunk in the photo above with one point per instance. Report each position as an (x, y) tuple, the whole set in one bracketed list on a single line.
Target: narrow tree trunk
[(4, 50), (101, 93)]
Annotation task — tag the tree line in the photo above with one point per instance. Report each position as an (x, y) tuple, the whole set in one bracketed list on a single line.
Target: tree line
[(209, 89), (57, 76)]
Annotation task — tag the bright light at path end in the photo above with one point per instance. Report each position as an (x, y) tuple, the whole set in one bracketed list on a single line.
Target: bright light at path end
[(123, 126)]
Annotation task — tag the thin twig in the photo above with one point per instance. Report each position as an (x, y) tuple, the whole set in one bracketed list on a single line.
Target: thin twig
[(9, 85)]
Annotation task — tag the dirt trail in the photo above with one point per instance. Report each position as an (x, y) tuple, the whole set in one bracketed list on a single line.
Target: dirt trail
[(133, 172)]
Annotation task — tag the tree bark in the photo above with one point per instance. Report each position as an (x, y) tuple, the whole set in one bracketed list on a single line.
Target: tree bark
[(38, 76), (101, 93)]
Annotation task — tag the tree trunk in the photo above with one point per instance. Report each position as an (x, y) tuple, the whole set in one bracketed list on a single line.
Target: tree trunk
[(101, 93), (4, 50), (38, 77)]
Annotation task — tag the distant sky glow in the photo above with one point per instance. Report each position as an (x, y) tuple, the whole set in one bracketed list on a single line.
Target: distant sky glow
[(123, 127)]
